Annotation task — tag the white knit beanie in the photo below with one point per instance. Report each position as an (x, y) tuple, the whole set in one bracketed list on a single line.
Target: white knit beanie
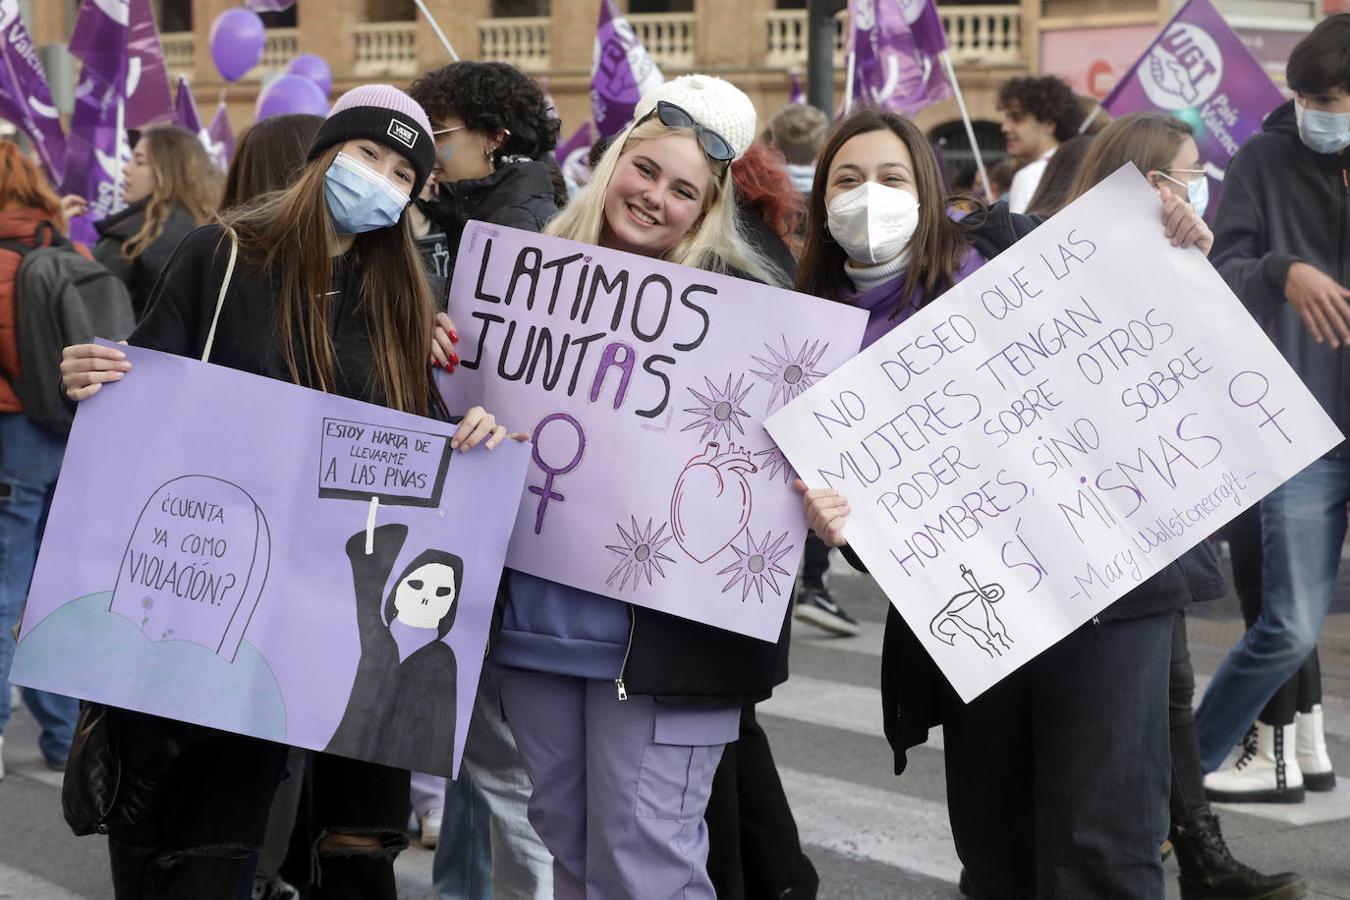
[(716, 104)]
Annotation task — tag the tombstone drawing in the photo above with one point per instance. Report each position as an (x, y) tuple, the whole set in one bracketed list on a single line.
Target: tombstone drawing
[(196, 564), (971, 612)]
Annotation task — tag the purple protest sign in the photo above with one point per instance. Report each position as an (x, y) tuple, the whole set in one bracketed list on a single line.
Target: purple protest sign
[(96, 148), (896, 54), (222, 135), (622, 71), (287, 564), (573, 154), (643, 384), (1199, 71), (25, 97), (148, 100)]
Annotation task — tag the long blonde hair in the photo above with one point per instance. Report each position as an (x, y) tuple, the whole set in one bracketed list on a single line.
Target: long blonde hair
[(288, 235), (714, 243), (184, 176)]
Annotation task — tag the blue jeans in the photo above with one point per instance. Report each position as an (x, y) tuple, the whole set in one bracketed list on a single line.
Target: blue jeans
[(1302, 528), (462, 868), (30, 460)]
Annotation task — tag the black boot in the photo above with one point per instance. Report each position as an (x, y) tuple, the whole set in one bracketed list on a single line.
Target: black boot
[(1209, 872)]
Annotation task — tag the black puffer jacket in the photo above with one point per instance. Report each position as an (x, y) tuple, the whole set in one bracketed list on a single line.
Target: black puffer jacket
[(139, 274), (518, 195), (1281, 204)]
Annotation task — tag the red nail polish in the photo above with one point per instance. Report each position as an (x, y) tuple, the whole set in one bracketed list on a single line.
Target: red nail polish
[(454, 336), (454, 359)]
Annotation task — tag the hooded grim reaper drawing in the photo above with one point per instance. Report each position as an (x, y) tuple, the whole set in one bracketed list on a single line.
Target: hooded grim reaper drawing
[(401, 711)]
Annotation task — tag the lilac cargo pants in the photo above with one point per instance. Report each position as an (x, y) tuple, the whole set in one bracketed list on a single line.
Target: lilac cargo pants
[(620, 787)]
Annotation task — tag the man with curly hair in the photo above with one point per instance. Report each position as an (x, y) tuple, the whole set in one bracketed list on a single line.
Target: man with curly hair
[(1038, 114)]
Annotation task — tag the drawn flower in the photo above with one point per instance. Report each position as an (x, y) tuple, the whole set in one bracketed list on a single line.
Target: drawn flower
[(721, 409), (757, 564), (790, 375), (775, 463), (640, 554), (147, 604)]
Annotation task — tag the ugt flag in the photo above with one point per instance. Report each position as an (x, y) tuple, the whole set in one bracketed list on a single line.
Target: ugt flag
[(97, 147), (1199, 71), (25, 97), (621, 72), (185, 116), (897, 48), (147, 87)]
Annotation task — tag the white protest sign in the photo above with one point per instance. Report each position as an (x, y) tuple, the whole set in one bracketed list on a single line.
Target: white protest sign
[(1051, 432)]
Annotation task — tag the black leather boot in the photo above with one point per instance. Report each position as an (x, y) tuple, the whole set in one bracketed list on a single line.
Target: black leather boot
[(1209, 872)]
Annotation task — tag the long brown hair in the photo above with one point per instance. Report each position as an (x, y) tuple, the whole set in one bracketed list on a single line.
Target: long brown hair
[(268, 157), (288, 235), (184, 176), (23, 186), (1149, 140), (939, 243), (1055, 189)]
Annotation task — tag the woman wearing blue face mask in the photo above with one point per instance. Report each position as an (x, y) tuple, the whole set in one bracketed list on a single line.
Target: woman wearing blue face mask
[(327, 292)]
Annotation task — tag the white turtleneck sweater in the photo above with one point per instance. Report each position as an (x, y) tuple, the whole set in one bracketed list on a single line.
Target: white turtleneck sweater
[(865, 278)]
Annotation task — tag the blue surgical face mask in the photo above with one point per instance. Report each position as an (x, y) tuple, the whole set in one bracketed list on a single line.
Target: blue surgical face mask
[(1197, 191), (359, 198), (1322, 132)]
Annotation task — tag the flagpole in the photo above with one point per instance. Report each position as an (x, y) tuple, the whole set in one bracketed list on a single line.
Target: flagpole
[(1091, 117), (437, 28), (119, 139), (965, 117), (848, 82)]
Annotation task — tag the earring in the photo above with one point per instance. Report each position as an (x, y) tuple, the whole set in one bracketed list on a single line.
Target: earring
[(492, 163)]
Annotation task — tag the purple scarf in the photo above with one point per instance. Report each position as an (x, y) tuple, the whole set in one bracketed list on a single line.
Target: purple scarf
[(882, 300)]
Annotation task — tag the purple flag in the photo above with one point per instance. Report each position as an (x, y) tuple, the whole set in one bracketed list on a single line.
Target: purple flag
[(796, 94), (96, 149), (621, 73), (25, 98), (1199, 71), (222, 135), (185, 116), (148, 100), (573, 154), (896, 49)]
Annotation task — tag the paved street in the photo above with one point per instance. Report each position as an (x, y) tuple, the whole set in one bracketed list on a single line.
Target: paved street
[(870, 834)]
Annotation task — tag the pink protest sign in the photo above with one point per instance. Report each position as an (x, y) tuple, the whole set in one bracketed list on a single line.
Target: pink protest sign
[(287, 564), (643, 385)]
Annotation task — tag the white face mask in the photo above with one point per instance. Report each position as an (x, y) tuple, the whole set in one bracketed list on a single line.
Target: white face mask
[(1322, 132), (873, 223), (1197, 192)]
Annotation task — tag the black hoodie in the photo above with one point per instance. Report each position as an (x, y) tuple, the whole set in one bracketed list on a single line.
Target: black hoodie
[(1282, 203), (518, 195)]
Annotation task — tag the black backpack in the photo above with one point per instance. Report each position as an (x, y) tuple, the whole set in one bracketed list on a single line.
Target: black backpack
[(60, 298)]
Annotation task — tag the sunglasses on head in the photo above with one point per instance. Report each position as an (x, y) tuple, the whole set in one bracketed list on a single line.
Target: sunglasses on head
[(715, 147)]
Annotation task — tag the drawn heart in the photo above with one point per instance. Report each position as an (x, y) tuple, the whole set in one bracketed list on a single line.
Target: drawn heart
[(711, 503)]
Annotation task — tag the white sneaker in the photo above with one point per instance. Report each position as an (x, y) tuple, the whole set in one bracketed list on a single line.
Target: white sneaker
[(1266, 772), (431, 829), (1313, 759)]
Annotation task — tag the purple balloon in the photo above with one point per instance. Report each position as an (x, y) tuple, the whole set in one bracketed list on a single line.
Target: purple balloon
[(291, 94), (237, 38), (307, 65)]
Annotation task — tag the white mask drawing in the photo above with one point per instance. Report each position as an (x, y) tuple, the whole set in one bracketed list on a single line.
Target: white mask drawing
[(424, 597)]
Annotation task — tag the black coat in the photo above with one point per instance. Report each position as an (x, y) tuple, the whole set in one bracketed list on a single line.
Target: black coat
[(517, 195), (1282, 203), (401, 713), (139, 274)]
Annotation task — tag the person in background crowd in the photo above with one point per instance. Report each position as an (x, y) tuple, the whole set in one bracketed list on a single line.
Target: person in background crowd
[(797, 131), (1163, 148), (30, 455), (171, 187), (1056, 185), (493, 129), (754, 849), (1000, 178), (1057, 779), (621, 712), (268, 157), (1039, 113), (1281, 246), (326, 280)]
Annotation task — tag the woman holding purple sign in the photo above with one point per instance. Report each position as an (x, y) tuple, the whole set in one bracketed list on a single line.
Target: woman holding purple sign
[(318, 285), (1057, 777), (621, 712)]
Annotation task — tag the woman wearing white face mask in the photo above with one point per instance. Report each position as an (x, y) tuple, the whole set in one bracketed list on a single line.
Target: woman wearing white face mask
[(1057, 778), (322, 288)]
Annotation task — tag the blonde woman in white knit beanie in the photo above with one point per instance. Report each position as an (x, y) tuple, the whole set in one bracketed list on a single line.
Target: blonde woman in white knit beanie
[(688, 122), (597, 691)]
